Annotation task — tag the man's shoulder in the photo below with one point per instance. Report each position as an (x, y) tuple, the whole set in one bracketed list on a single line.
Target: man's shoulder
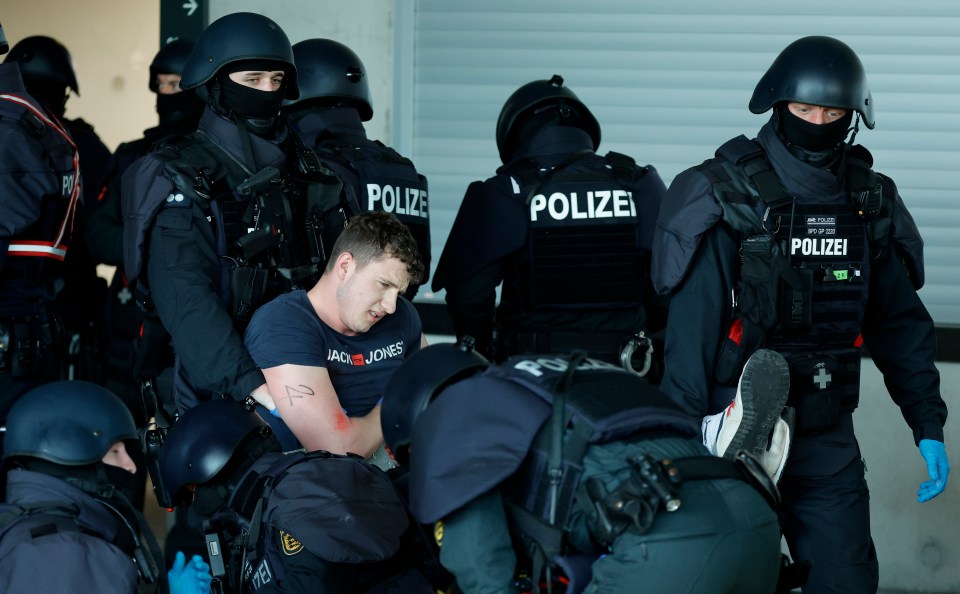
[(288, 309)]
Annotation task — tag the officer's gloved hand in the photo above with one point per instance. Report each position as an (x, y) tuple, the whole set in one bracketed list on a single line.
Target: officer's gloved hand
[(938, 467), (189, 578)]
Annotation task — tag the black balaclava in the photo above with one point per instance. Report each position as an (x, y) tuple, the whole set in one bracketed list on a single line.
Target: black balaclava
[(528, 124), (323, 105), (816, 144), (179, 109), (52, 95), (258, 110)]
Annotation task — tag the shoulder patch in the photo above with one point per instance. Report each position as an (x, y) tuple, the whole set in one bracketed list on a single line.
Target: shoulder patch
[(289, 545)]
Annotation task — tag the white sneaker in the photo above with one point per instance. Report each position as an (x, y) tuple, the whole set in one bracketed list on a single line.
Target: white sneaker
[(774, 458), (709, 430), (761, 395)]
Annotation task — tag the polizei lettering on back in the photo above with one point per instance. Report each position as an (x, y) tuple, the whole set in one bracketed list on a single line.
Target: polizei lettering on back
[(818, 246), (537, 367), (594, 204), (398, 200)]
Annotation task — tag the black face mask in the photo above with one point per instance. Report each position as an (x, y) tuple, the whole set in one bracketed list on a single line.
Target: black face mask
[(813, 137), (120, 478), (51, 95), (207, 500), (179, 108), (249, 103)]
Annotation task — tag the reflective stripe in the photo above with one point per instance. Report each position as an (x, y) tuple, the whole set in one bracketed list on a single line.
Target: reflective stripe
[(42, 249)]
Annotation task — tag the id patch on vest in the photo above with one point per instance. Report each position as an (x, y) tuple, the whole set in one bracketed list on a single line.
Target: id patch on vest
[(290, 545)]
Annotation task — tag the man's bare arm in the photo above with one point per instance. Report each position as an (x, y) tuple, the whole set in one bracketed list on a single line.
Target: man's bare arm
[(308, 404)]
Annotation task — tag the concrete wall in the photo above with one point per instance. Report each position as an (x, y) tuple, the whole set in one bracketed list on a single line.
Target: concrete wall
[(918, 544), (112, 43)]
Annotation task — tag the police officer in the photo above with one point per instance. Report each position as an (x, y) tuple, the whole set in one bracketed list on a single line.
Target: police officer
[(179, 112), (294, 522), (49, 76), (64, 526), (791, 241), (39, 196), (215, 223), (566, 231), (600, 475), (334, 102)]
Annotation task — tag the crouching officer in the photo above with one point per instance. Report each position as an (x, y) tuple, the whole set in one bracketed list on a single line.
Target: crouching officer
[(566, 231), (587, 467), (66, 449), (274, 522)]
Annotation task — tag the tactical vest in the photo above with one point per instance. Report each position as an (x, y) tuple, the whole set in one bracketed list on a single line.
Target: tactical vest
[(582, 243), (376, 177), (581, 255), (600, 404), (37, 253), (339, 508), (804, 282), (594, 403), (267, 225), (41, 519)]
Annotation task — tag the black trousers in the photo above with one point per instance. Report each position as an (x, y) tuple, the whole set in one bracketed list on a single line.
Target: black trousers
[(826, 520)]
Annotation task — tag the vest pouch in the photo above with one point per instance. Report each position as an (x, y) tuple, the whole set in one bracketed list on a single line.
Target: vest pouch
[(743, 339), (813, 392), (248, 285), (816, 413), (761, 261), (796, 302)]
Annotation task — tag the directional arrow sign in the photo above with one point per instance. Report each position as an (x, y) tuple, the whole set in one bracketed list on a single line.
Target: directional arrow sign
[(182, 19)]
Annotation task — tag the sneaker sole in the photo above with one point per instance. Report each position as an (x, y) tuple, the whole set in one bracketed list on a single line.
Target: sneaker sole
[(764, 388)]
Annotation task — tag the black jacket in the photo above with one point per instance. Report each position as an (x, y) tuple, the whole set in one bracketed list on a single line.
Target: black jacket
[(182, 264), (59, 552)]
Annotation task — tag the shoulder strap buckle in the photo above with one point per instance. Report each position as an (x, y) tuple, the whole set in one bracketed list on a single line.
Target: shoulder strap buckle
[(750, 157)]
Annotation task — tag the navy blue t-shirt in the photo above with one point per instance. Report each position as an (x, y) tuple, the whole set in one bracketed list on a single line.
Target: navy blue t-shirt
[(287, 330)]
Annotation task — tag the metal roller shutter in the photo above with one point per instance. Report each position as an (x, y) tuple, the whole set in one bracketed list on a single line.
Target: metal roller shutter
[(669, 82)]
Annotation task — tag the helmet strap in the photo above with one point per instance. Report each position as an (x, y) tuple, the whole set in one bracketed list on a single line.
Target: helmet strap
[(855, 128)]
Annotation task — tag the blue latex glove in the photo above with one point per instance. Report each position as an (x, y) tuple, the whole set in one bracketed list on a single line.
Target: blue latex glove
[(189, 578), (938, 467)]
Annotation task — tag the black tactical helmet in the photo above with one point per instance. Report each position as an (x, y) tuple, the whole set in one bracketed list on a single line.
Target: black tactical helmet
[(237, 37), (71, 423), (44, 58), (329, 69), (203, 441), (532, 97), (171, 59), (421, 377), (819, 71)]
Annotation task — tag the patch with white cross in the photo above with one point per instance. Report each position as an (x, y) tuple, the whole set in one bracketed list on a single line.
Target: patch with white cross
[(822, 378)]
